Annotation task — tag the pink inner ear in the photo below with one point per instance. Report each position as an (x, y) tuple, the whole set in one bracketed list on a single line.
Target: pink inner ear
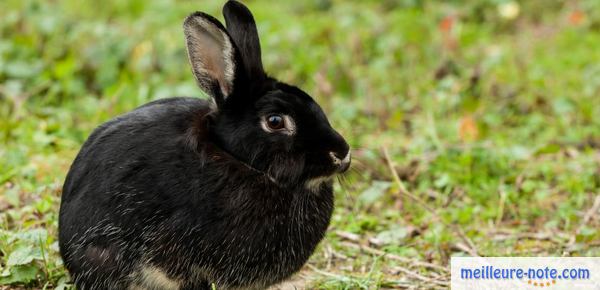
[(210, 53), (211, 58)]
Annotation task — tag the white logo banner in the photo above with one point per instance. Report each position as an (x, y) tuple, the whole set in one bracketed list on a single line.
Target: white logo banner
[(552, 273)]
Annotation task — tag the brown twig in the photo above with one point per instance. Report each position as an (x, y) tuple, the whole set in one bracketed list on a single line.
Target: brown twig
[(592, 212), (501, 204), (471, 249), (540, 236), (348, 236), (420, 277), (394, 257), (587, 217), (397, 268)]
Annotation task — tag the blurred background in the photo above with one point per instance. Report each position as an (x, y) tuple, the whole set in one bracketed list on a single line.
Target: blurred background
[(475, 125)]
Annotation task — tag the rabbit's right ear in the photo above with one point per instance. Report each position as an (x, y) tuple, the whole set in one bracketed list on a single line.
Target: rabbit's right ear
[(212, 55)]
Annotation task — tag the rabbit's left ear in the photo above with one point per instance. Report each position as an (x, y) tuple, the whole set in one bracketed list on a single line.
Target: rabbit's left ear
[(212, 55)]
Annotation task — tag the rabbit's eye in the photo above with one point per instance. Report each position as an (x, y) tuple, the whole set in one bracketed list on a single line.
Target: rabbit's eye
[(278, 123), (275, 122)]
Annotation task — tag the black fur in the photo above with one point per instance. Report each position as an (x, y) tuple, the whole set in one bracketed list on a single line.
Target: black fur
[(179, 194), (242, 28)]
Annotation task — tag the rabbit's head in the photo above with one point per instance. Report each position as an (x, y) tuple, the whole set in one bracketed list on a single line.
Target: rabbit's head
[(271, 126)]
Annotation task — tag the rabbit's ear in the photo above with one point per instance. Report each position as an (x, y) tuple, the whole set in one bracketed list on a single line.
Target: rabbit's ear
[(242, 28), (212, 55)]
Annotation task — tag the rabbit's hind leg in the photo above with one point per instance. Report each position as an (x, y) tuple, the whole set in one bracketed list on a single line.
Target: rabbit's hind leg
[(98, 267)]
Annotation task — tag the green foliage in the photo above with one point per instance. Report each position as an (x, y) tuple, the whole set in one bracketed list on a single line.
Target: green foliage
[(490, 112)]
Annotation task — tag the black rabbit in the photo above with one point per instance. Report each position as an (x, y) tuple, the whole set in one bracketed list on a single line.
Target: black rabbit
[(182, 192)]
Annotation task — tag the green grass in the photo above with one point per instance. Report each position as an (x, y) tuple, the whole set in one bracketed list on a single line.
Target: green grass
[(491, 122)]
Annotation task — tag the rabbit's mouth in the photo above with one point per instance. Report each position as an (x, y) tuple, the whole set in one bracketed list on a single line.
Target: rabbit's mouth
[(340, 165)]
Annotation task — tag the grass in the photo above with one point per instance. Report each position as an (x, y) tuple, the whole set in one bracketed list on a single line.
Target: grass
[(475, 125)]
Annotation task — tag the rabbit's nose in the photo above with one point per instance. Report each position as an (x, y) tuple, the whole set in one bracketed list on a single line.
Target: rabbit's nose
[(343, 163)]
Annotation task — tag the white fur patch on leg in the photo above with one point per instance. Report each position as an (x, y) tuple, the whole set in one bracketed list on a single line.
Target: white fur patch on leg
[(153, 278)]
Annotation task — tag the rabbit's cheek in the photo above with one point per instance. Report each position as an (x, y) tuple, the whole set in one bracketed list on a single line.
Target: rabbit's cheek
[(285, 168)]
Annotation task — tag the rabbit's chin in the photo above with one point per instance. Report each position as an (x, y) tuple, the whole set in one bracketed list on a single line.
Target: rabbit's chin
[(314, 184)]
